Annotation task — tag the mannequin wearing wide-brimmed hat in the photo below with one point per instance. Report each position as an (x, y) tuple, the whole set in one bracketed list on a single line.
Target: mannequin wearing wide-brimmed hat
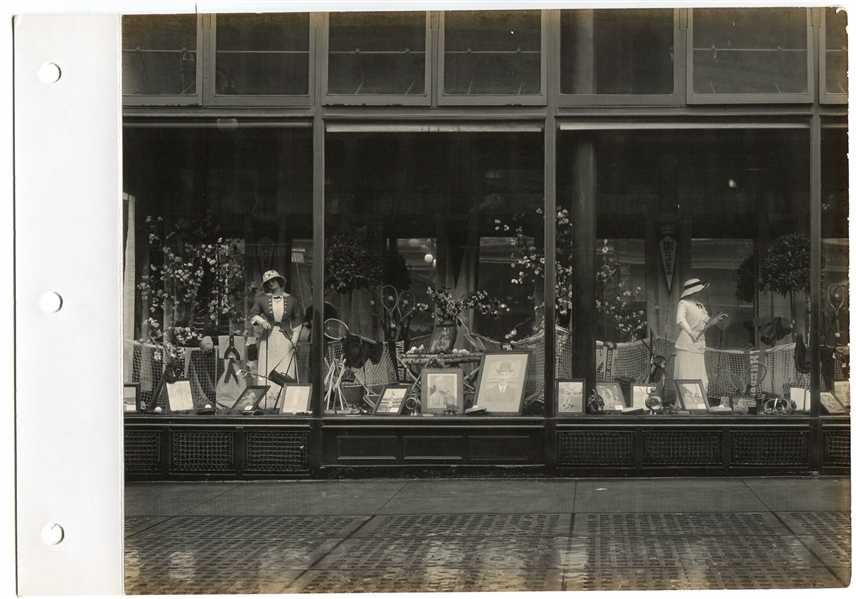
[(274, 312), (690, 345)]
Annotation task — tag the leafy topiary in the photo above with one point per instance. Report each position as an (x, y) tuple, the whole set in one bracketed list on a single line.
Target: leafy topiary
[(786, 267)]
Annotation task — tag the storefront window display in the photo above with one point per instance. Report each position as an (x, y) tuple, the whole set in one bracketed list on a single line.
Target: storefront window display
[(721, 198), (835, 281), (217, 212), (421, 273)]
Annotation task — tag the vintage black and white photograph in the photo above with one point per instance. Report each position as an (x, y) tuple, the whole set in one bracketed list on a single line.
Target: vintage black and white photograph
[(381, 263), (442, 391), (613, 396), (296, 399), (502, 382), (571, 396), (692, 396)]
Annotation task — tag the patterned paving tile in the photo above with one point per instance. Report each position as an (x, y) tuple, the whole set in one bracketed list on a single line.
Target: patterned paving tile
[(136, 525), (834, 551), (677, 524), (258, 528), (699, 578), (153, 556), (771, 552), (489, 525), (463, 552), (817, 523), (429, 579)]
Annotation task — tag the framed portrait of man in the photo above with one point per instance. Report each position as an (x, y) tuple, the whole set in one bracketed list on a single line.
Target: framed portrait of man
[(502, 381), (442, 391)]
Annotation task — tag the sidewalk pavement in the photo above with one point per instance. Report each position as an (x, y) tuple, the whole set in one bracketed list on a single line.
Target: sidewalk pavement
[(455, 535)]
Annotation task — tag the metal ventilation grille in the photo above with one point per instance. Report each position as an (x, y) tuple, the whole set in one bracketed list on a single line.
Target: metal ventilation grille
[(272, 451), (836, 447), (209, 451), (142, 451), (595, 448), (769, 448), (668, 448)]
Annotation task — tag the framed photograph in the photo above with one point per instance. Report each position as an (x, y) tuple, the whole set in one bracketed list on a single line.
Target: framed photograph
[(442, 391), (842, 392), (571, 396), (391, 401), (443, 338), (179, 397), (131, 397), (502, 380), (296, 398), (613, 397), (251, 397), (800, 397), (741, 405), (830, 404), (640, 394), (692, 396)]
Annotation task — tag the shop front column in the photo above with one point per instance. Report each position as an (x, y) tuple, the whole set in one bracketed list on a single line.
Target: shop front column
[(584, 213)]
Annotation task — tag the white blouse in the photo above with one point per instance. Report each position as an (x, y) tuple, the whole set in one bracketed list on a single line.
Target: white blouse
[(693, 316)]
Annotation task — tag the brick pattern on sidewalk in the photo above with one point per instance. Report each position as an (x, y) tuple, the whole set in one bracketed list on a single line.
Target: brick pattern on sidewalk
[(486, 552)]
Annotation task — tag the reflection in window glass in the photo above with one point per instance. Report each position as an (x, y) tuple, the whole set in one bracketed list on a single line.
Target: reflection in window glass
[(617, 52), (835, 281), (726, 206), (492, 53), (750, 51), (376, 53), (159, 55), (447, 218), (263, 55), (836, 51), (211, 211)]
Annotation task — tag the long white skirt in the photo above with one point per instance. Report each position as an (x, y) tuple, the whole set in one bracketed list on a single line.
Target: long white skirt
[(690, 366), (277, 351)]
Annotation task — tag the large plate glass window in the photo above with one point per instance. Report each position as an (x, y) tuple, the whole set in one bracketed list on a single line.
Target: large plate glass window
[(161, 59), (427, 231), (378, 57), (212, 208), (618, 55), (726, 206), (261, 58), (834, 56), (750, 55), (835, 294), (492, 57)]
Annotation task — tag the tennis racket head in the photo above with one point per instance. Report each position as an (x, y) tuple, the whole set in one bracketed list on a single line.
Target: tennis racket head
[(335, 329), (729, 382), (756, 372)]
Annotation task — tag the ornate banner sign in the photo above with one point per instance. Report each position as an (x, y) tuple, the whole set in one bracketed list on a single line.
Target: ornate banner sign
[(668, 252)]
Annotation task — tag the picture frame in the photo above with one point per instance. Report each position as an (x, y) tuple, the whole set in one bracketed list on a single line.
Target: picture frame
[(571, 396), (742, 404), (131, 397), (391, 400), (640, 395), (250, 397), (841, 390), (442, 391), (830, 403), (501, 393), (613, 396), (692, 395), (800, 396), (179, 396), (296, 398), (443, 337)]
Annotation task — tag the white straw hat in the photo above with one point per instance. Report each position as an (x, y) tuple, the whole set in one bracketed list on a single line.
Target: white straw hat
[(693, 286)]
